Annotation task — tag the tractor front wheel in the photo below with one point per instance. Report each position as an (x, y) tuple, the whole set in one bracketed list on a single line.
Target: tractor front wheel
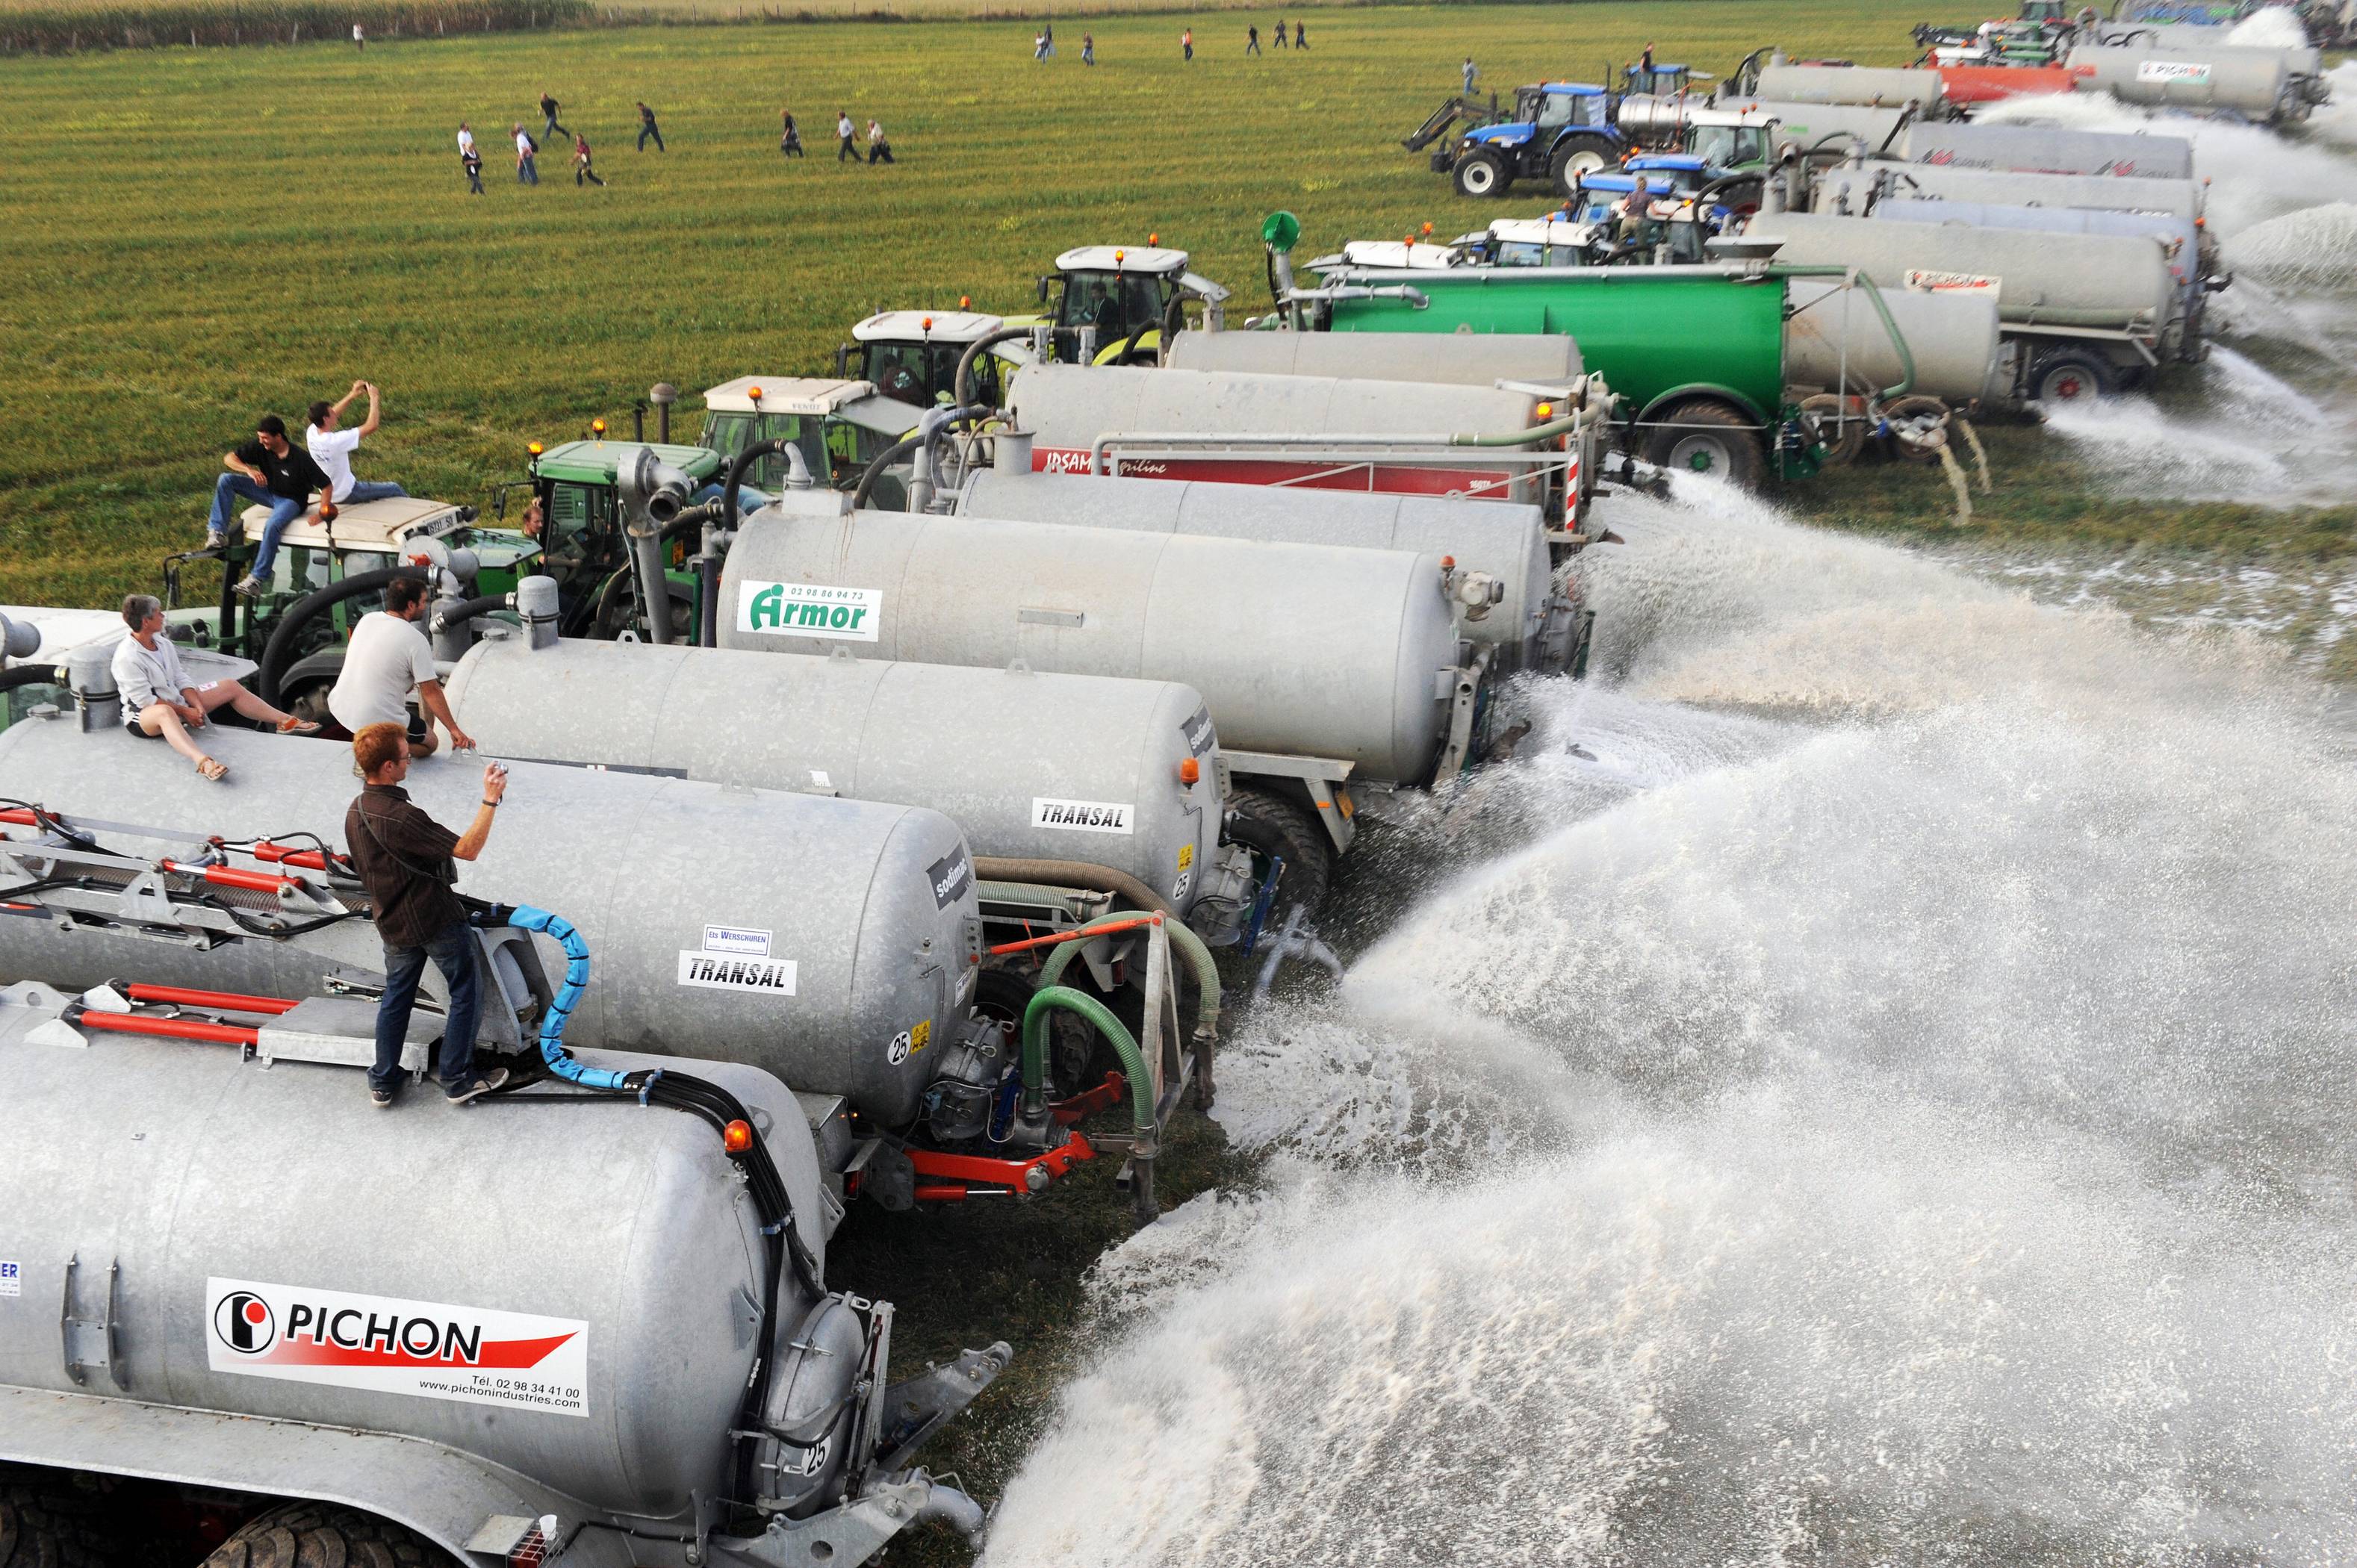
[(1482, 174)]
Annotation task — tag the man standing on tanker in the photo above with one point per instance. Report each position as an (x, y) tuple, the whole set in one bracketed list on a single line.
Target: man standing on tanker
[(403, 858), (387, 659)]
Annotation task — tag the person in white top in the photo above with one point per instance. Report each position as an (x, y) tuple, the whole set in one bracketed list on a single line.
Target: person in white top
[(159, 702), (387, 659), (879, 149), (331, 447), (465, 138)]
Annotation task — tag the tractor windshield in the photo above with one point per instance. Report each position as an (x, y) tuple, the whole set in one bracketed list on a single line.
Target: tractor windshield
[(927, 372), (1730, 146), (729, 433), (1120, 306)]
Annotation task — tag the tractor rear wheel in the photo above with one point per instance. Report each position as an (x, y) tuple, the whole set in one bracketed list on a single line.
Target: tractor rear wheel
[(1703, 435), (1275, 828), (2070, 378), (46, 1522), (1579, 156), (325, 1535), (1482, 174)]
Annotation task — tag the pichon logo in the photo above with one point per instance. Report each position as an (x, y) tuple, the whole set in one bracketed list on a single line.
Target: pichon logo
[(245, 1323)]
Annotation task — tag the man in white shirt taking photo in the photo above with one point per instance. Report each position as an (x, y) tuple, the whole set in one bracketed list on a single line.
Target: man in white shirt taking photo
[(332, 447), (387, 659)]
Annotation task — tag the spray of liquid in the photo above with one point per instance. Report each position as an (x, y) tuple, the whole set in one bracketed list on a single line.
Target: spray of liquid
[(1896, 1113), (2232, 430)]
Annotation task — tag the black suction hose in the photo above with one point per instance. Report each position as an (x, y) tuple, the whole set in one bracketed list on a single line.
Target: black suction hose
[(304, 610), (963, 384), (884, 459), (32, 675), (467, 609)]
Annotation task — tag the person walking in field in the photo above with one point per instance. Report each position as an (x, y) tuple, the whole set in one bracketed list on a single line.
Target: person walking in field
[(1280, 33), (1088, 49), (1300, 34), (1047, 37), (359, 40), (581, 169), (647, 127), (879, 149), (843, 130), (331, 447), (1040, 47), (527, 173), (790, 140), (1469, 75), (548, 108), (1252, 39), (472, 162), (1186, 42)]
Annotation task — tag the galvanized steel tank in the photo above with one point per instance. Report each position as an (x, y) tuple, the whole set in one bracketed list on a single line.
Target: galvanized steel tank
[(1303, 648), (2046, 149), (864, 900), (1843, 190), (2192, 41), (1479, 359), (988, 749), (197, 1172), (1871, 85), (2180, 241), (1507, 542), (1068, 407), (2256, 84), (2062, 280), (1959, 355), (1807, 124)]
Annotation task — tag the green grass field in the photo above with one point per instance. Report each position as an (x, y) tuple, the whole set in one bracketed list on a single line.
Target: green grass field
[(197, 235)]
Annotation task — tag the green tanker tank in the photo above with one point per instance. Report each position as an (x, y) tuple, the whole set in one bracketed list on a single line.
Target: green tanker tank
[(1696, 353)]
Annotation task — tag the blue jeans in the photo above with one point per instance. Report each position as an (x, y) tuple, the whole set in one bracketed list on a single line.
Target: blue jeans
[(372, 490), (282, 511), (525, 173), (453, 952), (648, 130), (749, 499)]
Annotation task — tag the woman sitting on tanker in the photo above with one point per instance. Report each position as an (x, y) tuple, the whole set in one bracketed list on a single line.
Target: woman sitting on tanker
[(158, 703)]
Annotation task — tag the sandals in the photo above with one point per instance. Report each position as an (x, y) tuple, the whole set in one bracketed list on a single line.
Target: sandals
[(298, 726), (212, 772)]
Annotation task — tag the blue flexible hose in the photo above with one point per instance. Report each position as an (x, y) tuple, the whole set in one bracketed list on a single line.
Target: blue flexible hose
[(523, 916)]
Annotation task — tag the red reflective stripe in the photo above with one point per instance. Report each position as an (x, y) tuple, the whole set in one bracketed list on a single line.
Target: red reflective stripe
[(171, 1028), (232, 1001)]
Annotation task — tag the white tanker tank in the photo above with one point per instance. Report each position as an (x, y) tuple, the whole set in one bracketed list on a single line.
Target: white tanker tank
[(556, 1311), (1298, 648), (2258, 84), (1872, 86), (1479, 360), (1009, 755), (1533, 622), (845, 924), (1807, 124), (2046, 149), (1960, 357), (2180, 241), (1848, 191), (1167, 425)]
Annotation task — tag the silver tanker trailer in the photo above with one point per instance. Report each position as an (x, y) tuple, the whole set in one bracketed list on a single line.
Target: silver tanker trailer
[(2045, 149)]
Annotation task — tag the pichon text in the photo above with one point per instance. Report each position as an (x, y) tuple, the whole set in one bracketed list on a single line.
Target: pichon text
[(349, 1328)]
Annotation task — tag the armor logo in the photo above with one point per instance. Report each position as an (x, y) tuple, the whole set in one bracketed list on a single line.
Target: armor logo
[(245, 1322)]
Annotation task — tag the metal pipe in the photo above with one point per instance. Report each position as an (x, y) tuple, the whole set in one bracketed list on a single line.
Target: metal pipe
[(1078, 874), (962, 384), (1856, 279), (171, 1028), (1415, 296), (228, 1001)]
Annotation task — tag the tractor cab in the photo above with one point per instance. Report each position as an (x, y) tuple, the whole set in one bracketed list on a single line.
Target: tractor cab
[(1660, 80), (1538, 242), (1672, 230), (912, 356), (1730, 139), (1544, 110), (1120, 299), (1681, 173), (581, 536), (838, 426)]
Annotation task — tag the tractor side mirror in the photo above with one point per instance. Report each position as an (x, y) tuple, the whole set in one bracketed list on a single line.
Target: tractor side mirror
[(842, 361), (1043, 287)]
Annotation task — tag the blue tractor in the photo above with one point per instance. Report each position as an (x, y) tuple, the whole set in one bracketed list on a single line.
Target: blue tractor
[(1559, 129)]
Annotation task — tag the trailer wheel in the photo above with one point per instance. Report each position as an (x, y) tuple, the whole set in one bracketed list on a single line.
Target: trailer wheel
[(1703, 435), (326, 1535), (1078, 1057), (1273, 827), (1584, 155), (1482, 174), (2070, 378), (46, 1522)]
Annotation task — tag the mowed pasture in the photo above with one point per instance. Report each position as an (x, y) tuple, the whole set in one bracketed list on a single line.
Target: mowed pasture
[(195, 236)]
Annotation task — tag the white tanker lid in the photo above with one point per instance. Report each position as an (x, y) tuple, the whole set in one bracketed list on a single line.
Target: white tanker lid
[(926, 326)]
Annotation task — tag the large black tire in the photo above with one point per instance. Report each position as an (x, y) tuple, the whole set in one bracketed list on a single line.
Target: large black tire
[(326, 1535), (2070, 378), (1482, 174), (1270, 826), (46, 1522), (1580, 154), (1078, 1057), (618, 617), (1703, 435)]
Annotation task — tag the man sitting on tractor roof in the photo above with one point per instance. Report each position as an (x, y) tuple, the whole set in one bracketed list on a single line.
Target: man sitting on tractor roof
[(267, 469)]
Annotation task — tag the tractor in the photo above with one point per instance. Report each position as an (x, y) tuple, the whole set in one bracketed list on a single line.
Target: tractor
[(1560, 129), (1113, 305), (912, 355)]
